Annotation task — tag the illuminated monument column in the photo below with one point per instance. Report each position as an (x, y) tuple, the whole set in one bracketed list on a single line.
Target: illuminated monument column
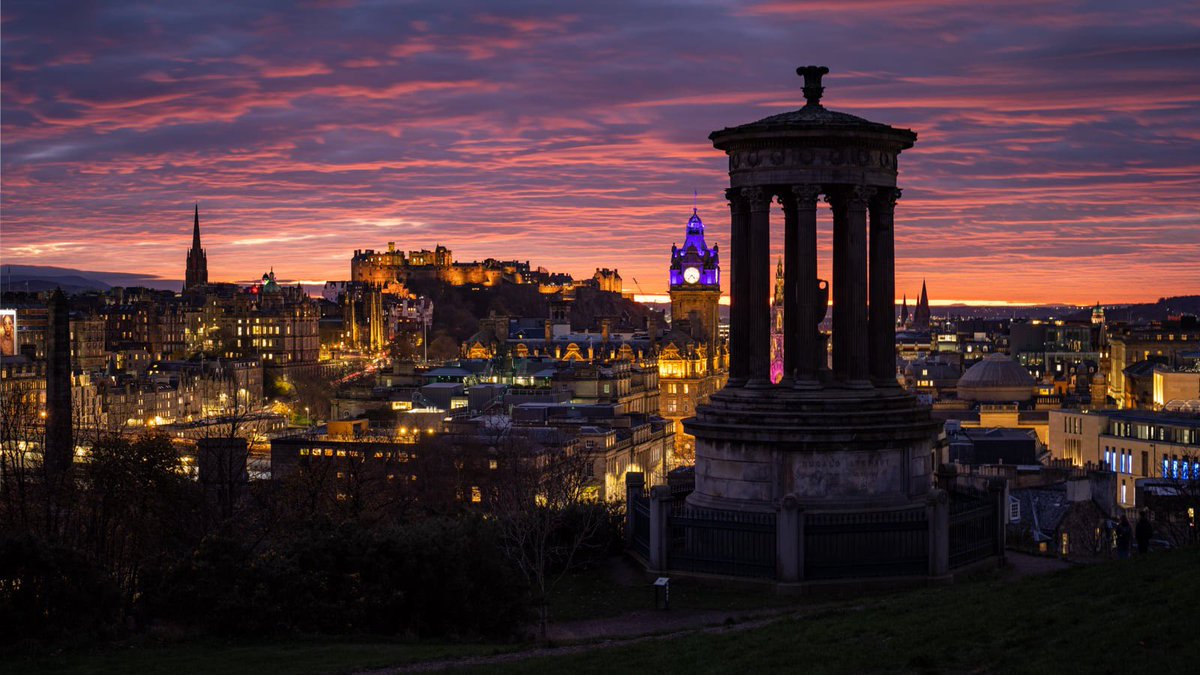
[(849, 438)]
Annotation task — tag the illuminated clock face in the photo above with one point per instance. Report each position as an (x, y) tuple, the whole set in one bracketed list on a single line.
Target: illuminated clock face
[(691, 275)]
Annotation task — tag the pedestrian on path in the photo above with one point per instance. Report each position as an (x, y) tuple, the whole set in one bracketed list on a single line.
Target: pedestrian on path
[(1106, 537)]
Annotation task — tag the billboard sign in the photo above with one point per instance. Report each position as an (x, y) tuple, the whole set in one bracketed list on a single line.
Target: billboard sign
[(8, 332)]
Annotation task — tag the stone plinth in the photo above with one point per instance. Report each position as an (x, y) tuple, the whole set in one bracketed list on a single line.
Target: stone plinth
[(831, 448)]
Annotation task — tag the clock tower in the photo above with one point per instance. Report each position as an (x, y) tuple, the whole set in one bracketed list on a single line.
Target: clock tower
[(695, 281)]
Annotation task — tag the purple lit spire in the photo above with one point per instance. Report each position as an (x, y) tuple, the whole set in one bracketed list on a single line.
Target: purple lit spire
[(695, 264)]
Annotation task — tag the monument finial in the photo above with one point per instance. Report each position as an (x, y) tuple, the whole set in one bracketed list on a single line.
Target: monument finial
[(812, 84)]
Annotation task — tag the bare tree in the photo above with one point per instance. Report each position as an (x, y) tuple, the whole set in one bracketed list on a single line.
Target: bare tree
[(540, 503), (22, 434)]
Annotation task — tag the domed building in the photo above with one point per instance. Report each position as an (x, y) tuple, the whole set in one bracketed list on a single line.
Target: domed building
[(996, 379)]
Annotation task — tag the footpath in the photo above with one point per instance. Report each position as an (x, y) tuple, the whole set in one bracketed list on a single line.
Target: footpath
[(651, 625)]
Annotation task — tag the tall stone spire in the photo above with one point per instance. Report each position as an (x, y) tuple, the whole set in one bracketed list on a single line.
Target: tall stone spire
[(904, 311), (196, 229), (197, 260), (921, 313)]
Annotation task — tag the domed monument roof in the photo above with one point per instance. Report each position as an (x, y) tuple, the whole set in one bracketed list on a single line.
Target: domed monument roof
[(814, 116), (996, 378)]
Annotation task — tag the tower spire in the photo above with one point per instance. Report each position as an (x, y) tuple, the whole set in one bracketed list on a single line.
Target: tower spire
[(196, 274), (921, 313), (196, 229)]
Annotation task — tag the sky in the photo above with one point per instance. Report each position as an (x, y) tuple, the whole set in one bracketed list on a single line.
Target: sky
[(1058, 157)]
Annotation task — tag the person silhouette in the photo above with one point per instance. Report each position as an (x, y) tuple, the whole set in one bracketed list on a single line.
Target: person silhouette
[(1143, 533)]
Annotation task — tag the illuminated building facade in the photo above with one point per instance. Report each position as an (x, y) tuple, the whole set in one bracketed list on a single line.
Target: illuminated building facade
[(777, 326), (695, 280), (384, 267), (1166, 343), (1136, 444)]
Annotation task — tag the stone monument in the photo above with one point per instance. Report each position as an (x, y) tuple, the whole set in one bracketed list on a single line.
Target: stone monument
[(845, 437)]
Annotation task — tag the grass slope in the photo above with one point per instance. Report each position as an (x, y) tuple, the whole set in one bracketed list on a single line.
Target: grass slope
[(317, 656), (1127, 616)]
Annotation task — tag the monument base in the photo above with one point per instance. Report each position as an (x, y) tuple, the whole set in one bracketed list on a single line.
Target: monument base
[(831, 448)]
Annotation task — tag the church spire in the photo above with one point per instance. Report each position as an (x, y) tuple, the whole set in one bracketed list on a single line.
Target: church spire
[(921, 313), (196, 230), (197, 261)]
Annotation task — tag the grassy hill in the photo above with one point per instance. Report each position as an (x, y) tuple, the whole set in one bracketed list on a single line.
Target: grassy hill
[(1127, 616)]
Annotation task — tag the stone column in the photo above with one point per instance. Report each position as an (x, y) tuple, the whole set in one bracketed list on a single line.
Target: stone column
[(937, 514), (882, 302), (739, 245), (850, 354), (660, 511), (59, 447), (998, 491), (789, 540), (635, 486), (802, 351), (850, 287), (841, 302), (758, 290)]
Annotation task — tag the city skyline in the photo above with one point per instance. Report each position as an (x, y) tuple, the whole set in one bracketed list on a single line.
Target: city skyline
[(1056, 162)]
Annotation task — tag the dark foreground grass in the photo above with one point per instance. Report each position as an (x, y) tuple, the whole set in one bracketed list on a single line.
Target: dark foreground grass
[(319, 655), (1128, 616), (621, 588)]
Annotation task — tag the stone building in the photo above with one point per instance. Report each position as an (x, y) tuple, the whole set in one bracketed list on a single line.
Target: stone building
[(1135, 444), (693, 362), (996, 379), (383, 267), (607, 280), (1129, 344)]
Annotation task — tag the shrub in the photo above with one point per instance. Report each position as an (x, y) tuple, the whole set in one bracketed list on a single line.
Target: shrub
[(436, 577), (49, 592)]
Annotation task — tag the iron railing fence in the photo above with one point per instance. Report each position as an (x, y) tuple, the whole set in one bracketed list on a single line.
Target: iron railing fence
[(722, 542), (974, 529), (866, 544), (639, 510)]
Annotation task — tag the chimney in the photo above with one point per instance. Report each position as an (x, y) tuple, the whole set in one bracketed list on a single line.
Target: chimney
[(60, 446), (223, 474), (1079, 489)]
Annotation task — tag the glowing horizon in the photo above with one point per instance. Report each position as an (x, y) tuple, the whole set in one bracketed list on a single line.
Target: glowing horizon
[(1055, 164)]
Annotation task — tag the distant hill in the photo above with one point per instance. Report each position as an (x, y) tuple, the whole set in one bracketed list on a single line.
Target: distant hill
[(1154, 311), (35, 278), (458, 309)]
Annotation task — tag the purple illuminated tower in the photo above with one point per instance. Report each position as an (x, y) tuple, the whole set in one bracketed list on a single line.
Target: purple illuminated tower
[(695, 280)]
